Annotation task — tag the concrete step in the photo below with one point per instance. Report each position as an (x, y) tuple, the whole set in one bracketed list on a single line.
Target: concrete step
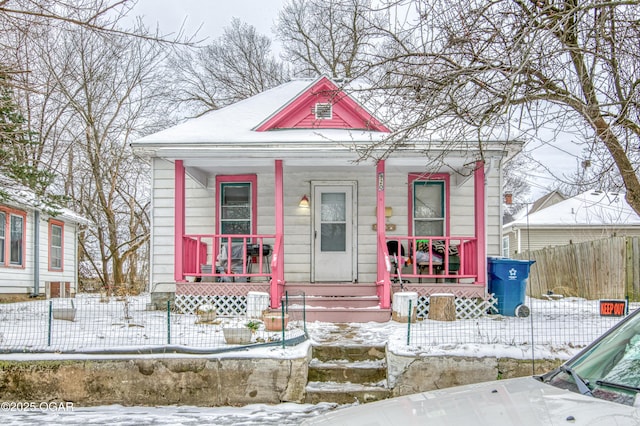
[(337, 315), (343, 371), (335, 301), (331, 289), (344, 393), (355, 353)]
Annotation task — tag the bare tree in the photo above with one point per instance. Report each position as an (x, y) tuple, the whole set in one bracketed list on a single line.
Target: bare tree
[(529, 65), (103, 89), (236, 66), (330, 37)]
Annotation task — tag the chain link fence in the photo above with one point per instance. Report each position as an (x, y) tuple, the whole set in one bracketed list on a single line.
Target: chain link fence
[(94, 323), (553, 322)]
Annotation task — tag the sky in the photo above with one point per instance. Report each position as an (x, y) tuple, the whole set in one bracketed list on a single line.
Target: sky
[(208, 17)]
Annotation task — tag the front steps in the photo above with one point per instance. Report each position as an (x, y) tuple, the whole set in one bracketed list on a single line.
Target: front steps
[(347, 374), (336, 302)]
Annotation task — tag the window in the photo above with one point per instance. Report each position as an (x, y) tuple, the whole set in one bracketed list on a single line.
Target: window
[(429, 204), (236, 207), (505, 246), (12, 235), (56, 232)]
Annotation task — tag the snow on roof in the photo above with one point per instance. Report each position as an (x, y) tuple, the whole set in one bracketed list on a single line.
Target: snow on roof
[(21, 196), (235, 123), (591, 208)]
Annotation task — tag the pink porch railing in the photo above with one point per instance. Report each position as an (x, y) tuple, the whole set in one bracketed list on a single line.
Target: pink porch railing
[(424, 262), (207, 256)]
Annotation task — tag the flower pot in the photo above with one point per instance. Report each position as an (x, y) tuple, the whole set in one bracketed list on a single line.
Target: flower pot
[(67, 314), (237, 335), (273, 321), (207, 316)]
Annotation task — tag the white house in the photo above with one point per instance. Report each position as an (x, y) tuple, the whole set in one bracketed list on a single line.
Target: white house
[(588, 216), (38, 251), (276, 182)]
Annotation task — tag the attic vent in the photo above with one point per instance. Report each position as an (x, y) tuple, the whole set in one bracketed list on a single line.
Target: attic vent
[(323, 111)]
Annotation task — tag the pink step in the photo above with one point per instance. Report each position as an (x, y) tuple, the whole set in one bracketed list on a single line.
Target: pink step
[(334, 289), (336, 301), (344, 315)]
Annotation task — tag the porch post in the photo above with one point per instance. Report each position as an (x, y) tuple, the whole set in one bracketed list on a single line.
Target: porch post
[(383, 281), (480, 225), (178, 217), (277, 279)]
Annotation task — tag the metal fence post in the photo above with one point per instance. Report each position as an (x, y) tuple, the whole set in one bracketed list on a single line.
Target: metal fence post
[(282, 324), (304, 312), (409, 324), (50, 321), (168, 322)]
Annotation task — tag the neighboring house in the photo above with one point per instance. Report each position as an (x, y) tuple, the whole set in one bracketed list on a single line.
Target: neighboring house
[(277, 178), (38, 251), (589, 216)]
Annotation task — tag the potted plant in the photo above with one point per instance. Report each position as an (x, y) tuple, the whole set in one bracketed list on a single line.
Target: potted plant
[(237, 334), (206, 313), (274, 321)]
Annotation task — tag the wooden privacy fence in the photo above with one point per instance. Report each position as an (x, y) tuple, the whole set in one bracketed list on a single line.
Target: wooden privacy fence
[(607, 268)]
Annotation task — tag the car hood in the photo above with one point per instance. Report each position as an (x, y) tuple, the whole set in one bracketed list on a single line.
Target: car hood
[(521, 401)]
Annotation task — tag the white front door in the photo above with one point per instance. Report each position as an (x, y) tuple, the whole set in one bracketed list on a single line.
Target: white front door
[(334, 220)]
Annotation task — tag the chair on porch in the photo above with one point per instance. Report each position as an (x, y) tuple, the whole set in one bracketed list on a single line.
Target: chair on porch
[(396, 253), (438, 257), (237, 259)]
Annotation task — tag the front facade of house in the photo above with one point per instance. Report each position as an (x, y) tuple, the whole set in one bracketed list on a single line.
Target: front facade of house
[(589, 216), (275, 183), (38, 252)]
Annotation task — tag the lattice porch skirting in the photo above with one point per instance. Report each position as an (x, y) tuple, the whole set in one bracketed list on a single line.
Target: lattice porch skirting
[(470, 301), (228, 298)]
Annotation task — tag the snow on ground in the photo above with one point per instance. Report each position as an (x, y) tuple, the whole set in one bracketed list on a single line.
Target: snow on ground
[(116, 415), (558, 328)]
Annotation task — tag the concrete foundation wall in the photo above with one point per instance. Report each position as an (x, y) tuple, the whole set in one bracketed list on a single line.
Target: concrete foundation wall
[(226, 381)]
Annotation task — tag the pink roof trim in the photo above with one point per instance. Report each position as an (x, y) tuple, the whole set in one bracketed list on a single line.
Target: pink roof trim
[(347, 113)]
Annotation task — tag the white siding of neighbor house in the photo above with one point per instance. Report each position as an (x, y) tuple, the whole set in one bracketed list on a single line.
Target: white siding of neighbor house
[(200, 212), (20, 281), (551, 237)]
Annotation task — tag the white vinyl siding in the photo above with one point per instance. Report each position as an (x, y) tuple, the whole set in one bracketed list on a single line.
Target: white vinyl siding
[(200, 212)]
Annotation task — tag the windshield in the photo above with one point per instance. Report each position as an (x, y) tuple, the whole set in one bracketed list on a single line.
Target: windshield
[(610, 368)]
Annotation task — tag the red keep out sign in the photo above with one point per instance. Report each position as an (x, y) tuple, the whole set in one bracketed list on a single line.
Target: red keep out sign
[(613, 308)]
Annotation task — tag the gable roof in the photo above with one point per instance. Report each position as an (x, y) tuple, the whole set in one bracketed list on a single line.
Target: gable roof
[(267, 112), (591, 208), (299, 113), (547, 200)]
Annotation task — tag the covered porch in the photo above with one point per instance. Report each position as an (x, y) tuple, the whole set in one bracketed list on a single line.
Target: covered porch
[(230, 265)]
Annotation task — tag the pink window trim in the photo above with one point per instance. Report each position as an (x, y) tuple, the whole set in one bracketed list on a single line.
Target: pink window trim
[(250, 178), (53, 222), (443, 177), (7, 237)]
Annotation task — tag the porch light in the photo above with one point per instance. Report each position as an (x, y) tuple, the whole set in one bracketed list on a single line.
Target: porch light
[(304, 201)]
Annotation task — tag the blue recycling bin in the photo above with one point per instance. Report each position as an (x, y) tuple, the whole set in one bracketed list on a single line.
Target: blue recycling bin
[(508, 282)]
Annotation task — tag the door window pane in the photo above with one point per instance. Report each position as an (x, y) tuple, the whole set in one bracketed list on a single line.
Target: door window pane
[(333, 237), (333, 226), (333, 207)]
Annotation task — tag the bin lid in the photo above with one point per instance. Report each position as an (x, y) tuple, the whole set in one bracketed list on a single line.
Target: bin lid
[(509, 260)]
